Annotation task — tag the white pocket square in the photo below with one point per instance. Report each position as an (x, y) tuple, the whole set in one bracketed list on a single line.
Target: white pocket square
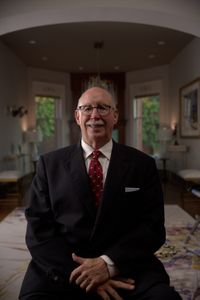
[(131, 189)]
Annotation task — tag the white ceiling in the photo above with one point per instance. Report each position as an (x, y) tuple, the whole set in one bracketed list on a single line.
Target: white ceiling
[(70, 47)]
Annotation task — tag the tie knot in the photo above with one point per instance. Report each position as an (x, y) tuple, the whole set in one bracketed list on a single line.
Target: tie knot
[(95, 154)]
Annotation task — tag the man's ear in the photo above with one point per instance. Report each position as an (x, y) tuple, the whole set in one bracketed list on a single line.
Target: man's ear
[(77, 116), (116, 116)]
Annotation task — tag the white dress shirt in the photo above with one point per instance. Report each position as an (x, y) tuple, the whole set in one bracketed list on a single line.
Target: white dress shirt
[(104, 159)]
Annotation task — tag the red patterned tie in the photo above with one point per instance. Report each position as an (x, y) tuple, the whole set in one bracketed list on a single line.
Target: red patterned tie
[(96, 176)]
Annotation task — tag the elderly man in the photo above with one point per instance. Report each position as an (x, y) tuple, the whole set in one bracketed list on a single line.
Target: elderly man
[(96, 217)]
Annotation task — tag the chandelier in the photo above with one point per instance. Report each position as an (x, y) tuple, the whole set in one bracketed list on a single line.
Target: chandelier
[(96, 80)]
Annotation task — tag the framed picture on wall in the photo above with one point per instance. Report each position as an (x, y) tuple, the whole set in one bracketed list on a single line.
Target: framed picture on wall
[(190, 109)]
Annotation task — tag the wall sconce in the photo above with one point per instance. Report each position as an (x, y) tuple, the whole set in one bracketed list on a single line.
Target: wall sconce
[(14, 111)]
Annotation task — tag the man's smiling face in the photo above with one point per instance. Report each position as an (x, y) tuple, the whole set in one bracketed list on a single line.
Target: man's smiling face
[(96, 128)]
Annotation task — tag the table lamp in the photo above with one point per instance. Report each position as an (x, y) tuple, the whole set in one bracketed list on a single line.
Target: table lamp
[(34, 137), (164, 136)]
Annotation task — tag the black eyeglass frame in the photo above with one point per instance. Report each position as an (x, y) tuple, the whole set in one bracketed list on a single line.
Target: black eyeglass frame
[(106, 109)]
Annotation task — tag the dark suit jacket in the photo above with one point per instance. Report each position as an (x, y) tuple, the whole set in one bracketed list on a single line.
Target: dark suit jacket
[(62, 218)]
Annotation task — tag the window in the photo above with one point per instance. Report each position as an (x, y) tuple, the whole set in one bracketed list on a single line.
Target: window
[(146, 123), (45, 115), (48, 120)]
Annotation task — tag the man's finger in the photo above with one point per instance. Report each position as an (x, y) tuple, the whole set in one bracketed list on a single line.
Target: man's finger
[(77, 259), (103, 294), (90, 287), (113, 293), (127, 280), (123, 285), (75, 274)]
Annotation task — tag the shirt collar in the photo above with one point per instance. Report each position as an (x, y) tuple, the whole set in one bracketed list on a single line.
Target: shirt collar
[(105, 150)]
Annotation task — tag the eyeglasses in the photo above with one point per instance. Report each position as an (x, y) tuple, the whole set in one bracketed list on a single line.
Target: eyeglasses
[(102, 109)]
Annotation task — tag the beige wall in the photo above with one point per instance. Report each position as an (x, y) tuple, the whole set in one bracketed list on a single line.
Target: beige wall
[(14, 92)]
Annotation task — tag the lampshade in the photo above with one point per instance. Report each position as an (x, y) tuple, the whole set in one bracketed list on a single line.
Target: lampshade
[(164, 133)]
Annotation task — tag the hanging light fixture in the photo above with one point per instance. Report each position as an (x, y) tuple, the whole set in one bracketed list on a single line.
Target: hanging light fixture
[(96, 80)]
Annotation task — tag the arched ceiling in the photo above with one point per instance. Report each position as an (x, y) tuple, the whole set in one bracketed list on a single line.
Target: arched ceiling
[(69, 47), (136, 34)]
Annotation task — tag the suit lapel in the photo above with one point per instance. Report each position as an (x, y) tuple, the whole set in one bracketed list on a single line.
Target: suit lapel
[(76, 166)]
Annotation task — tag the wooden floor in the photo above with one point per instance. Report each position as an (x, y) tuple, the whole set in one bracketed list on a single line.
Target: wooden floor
[(5, 208), (172, 195)]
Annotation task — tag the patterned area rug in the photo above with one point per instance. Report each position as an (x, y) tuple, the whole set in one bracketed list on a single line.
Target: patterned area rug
[(181, 261), (14, 256)]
